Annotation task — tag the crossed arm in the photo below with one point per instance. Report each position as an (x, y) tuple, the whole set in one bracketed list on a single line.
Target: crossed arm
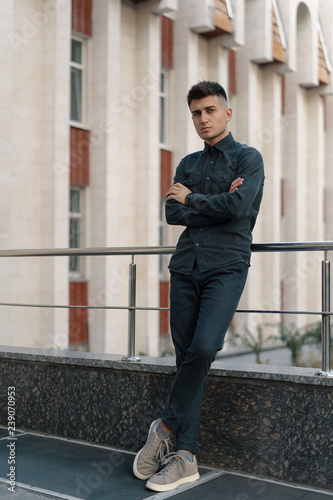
[(179, 192), (219, 208)]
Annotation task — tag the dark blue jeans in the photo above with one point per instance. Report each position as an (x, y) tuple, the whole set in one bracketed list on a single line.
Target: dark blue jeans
[(201, 309)]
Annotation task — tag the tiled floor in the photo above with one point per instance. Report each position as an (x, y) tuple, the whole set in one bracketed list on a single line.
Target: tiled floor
[(48, 467)]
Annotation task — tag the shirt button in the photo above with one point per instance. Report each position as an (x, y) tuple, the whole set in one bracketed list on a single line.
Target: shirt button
[(211, 162), (197, 244), (207, 178)]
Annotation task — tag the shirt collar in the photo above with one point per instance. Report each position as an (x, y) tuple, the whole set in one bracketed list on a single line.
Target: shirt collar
[(221, 145)]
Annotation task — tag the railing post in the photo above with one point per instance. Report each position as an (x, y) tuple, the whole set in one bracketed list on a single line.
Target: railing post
[(131, 314), (325, 320)]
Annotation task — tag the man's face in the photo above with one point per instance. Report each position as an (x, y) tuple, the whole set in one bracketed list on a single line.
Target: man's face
[(210, 117)]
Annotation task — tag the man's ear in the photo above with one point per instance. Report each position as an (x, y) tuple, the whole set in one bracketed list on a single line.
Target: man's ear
[(229, 114)]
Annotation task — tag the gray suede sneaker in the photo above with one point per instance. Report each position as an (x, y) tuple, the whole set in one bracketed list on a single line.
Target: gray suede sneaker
[(177, 471), (149, 458)]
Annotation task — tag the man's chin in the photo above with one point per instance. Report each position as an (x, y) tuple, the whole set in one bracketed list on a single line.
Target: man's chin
[(206, 135)]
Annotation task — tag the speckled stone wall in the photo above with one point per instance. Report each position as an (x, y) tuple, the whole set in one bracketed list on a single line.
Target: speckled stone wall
[(273, 422), (278, 430)]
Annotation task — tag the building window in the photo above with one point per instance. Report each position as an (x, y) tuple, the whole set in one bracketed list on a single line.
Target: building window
[(164, 97), (76, 230), (77, 80)]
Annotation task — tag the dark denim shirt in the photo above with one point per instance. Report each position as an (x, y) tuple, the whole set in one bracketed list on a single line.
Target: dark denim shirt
[(218, 224)]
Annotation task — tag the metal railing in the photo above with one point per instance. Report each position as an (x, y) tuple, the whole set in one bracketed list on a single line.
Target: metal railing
[(325, 313)]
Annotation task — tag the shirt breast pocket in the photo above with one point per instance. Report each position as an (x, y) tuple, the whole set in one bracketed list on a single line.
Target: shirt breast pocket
[(194, 183), (222, 182)]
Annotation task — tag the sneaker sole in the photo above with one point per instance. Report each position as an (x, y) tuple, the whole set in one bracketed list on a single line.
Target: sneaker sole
[(135, 464), (172, 486)]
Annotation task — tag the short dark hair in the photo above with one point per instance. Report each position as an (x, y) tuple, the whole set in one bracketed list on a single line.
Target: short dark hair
[(204, 89)]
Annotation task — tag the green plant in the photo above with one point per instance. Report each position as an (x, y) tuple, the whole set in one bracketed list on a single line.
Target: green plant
[(253, 341), (313, 333), (166, 353), (295, 337)]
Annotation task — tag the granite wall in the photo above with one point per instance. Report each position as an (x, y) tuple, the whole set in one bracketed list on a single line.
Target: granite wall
[(270, 421)]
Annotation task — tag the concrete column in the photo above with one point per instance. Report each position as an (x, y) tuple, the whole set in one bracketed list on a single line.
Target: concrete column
[(54, 163), (108, 280), (247, 120), (218, 62), (268, 228), (329, 170), (186, 73), (147, 193), (314, 200), (6, 165), (303, 175), (35, 106), (293, 160), (315, 146)]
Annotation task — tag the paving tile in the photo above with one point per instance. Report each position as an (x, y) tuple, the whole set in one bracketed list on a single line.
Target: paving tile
[(52, 468)]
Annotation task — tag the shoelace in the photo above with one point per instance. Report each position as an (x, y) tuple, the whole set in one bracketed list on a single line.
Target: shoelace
[(173, 460), (161, 451)]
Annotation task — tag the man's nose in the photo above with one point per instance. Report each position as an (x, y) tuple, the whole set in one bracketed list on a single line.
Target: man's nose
[(204, 117)]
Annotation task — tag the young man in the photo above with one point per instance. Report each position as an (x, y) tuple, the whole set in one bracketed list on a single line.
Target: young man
[(216, 195)]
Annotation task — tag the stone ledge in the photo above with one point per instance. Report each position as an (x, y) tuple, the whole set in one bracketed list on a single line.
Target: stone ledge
[(166, 365)]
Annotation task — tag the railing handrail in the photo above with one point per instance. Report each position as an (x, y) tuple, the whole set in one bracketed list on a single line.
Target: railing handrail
[(163, 250), (58, 252), (300, 246)]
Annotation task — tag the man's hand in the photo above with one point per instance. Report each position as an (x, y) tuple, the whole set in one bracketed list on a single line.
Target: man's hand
[(178, 192), (235, 184)]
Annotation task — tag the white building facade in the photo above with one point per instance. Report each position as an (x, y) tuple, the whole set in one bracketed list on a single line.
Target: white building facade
[(93, 123)]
